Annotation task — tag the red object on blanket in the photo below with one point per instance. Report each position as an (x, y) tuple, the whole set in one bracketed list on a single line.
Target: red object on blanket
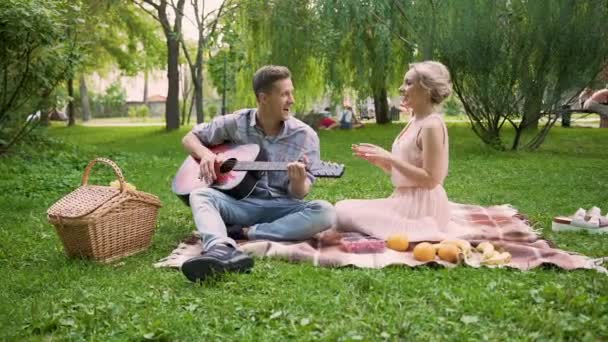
[(327, 122), (357, 244)]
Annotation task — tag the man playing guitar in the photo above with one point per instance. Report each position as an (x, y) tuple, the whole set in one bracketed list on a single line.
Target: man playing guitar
[(275, 210)]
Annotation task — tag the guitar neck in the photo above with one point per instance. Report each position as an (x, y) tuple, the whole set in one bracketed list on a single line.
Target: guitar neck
[(259, 166), (323, 169)]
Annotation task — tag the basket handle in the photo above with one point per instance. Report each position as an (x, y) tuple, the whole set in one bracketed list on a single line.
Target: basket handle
[(117, 171)]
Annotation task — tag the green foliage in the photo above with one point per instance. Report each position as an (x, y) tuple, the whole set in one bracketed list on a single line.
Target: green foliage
[(139, 112), (452, 106), (110, 104), (132, 300), (513, 60), (260, 33), (45, 43), (118, 33), (358, 45), (212, 110), (36, 54), (333, 45), (222, 68)]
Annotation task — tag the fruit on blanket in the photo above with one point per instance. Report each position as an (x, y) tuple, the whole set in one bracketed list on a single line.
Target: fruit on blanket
[(449, 253), (424, 251), (398, 242), (437, 246), (498, 258), (128, 186), (463, 245), (487, 249)]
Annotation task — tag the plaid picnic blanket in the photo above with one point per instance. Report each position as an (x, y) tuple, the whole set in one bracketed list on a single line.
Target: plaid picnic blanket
[(502, 225)]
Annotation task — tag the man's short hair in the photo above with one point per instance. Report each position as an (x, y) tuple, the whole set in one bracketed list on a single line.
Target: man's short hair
[(265, 77)]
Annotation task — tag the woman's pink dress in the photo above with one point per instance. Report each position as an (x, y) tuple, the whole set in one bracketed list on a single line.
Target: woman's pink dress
[(415, 209)]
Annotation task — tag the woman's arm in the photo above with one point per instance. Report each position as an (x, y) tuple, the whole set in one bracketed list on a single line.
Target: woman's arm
[(373, 154)]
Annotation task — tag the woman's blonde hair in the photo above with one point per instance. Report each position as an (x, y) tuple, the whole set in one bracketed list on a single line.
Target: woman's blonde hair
[(435, 77)]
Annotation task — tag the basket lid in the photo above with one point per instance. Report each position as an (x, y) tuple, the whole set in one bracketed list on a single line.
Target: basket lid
[(82, 201)]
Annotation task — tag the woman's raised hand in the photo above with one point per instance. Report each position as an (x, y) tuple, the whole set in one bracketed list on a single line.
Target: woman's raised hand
[(373, 154)]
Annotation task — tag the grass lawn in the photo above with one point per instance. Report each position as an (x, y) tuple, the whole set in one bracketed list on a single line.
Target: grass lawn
[(45, 296)]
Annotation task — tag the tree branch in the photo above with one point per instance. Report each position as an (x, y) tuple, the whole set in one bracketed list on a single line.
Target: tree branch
[(15, 137), (383, 22), (404, 16), (186, 53), (7, 105), (179, 14), (148, 11), (194, 4), (217, 18), (5, 84), (151, 3)]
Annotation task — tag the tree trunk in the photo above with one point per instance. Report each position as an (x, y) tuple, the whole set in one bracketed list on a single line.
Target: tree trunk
[(198, 98), (381, 106), (172, 35), (145, 99), (84, 98), (191, 106), (185, 95), (71, 119), (532, 108), (198, 79), (172, 104), (517, 138)]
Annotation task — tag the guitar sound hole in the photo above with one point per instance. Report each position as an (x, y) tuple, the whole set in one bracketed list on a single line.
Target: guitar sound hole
[(228, 165)]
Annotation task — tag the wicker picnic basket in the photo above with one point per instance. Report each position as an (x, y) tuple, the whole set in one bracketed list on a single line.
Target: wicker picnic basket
[(104, 223)]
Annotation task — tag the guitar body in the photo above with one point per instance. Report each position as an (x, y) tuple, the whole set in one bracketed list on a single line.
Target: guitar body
[(238, 184), (240, 171)]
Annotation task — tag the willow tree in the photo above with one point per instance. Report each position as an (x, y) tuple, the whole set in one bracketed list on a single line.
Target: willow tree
[(270, 32), (514, 61), (420, 21), (362, 49)]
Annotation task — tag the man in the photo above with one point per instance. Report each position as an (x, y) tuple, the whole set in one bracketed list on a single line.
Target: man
[(598, 102), (275, 209)]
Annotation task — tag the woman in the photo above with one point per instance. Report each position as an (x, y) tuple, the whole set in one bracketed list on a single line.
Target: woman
[(417, 165)]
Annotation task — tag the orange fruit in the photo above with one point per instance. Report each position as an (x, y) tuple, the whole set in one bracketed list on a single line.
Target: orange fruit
[(449, 253), (424, 252), (398, 242)]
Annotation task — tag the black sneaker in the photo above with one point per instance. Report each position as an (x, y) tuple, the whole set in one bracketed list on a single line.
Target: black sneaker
[(236, 233), (218, 259)]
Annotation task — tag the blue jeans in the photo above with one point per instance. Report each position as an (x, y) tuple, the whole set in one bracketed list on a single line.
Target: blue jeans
[(278, 219)]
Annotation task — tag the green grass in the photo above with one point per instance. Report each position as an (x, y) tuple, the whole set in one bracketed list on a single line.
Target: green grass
[(45, 296)]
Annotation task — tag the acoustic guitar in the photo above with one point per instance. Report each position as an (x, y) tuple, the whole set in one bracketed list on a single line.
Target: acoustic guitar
[(238, 175)]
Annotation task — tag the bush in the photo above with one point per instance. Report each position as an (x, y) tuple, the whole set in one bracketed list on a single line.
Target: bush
[(452, 106), (111, 104), (37, 56), (139, 112), (212, 111)]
